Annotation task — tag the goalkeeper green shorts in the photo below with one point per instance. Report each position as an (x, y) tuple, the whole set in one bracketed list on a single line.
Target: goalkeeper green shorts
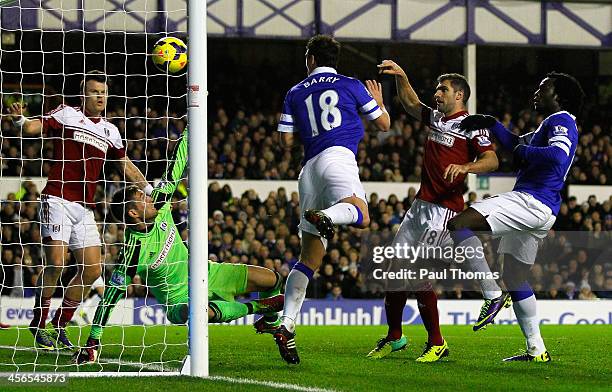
[(225, 282)]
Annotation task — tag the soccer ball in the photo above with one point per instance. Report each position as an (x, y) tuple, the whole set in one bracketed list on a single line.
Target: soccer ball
[(170, 54)]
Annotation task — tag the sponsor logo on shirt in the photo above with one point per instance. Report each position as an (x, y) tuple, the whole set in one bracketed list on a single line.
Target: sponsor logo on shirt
[(87, 138), (440, 138), (163, 226), (117, 279), (560, 130), (164, 252)]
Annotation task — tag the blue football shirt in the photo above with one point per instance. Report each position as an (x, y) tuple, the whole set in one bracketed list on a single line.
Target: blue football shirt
[(544, 181), (325, 109)]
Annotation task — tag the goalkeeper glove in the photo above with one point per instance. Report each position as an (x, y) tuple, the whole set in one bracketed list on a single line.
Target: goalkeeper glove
[(87, 354), (478, 121)]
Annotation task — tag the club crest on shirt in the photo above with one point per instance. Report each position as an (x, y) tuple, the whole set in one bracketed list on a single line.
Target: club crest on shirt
[(163, 226), (117, 279), (483, 141)]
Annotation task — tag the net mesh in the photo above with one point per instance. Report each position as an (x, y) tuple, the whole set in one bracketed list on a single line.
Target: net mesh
[(46, 48)]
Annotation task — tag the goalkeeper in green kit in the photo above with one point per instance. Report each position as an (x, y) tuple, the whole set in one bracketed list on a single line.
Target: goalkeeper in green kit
[(154, 250)]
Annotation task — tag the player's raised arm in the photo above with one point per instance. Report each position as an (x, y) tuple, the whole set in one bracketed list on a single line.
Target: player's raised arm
[(133, 174), (383, 121), (163, 192), (408, 97), (29, 127)]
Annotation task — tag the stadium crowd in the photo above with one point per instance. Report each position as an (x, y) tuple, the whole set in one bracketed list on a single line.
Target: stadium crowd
[(263, 231)]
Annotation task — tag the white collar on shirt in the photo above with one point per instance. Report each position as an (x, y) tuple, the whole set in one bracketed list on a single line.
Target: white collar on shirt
[(319, 70), (559, 112)]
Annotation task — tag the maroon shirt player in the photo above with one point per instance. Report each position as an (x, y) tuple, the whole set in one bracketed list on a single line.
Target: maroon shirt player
[(83, 140), (450, 154)]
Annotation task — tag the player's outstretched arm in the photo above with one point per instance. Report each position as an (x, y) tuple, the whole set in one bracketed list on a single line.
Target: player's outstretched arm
[(116, 287), (408, 97), (29, 127), (163, 192), (556, 153), (508, 140), (383, 122), (115, 290), (133, 174)]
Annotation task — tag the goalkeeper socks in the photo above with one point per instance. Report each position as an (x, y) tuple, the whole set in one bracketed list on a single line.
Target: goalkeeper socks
[(65, 313), (395, 301), (41, 311), (466, 239), (428, 308), (524, 304), (295, 292), (228, 311), (276, 290), (344, 214)]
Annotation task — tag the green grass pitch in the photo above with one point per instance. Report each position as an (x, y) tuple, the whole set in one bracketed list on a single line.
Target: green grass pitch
[(332, 358)]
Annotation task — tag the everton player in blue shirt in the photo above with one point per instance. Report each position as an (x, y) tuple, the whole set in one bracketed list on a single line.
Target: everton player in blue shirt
[(525, 215), (325, 110)]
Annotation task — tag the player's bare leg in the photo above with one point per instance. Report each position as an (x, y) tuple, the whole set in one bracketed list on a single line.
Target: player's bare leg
[(260, 279), (462, 229), (55, 255), (88, 270), (348, 211), (268, 284), (516, 274)]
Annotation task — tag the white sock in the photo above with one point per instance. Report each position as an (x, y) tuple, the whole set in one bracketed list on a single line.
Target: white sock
[(342, 213), (90, 304), (478, 263), (295, 292), (525, 311)]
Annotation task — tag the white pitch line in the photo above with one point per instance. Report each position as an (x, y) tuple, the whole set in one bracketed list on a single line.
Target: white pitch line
[(158, 368), (271, 384)]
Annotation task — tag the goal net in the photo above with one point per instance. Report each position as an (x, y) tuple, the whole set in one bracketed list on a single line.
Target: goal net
[(46, 49)]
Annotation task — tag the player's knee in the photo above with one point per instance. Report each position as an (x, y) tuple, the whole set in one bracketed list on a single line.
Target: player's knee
[(365, 222), (515, 274), (91, 272)]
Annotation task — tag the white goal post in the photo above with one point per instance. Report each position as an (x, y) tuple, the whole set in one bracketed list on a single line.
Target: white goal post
[(198, 190)]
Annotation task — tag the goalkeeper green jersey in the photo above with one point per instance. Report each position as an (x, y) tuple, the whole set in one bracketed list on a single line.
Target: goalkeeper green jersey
[(158, 255), (160, 258)]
